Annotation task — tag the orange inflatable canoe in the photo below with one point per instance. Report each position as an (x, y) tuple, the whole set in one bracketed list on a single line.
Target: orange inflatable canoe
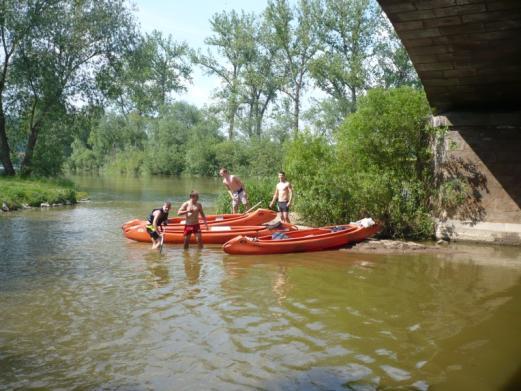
[(255, 218), (314, 239), (215, 234)]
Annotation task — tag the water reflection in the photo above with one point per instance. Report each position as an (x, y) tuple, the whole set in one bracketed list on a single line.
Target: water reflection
[(192, 264), (157, 265), (281, 286)]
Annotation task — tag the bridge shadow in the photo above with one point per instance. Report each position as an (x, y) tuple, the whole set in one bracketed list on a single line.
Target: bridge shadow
[(482, 157)]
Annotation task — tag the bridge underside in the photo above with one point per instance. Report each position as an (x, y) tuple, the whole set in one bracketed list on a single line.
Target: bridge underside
[(468, 56), (466, 52)]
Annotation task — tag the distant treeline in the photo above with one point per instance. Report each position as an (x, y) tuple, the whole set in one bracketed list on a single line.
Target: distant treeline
[(81, 86)]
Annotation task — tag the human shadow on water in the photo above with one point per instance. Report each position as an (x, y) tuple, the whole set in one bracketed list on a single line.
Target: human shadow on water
[(157, 266)]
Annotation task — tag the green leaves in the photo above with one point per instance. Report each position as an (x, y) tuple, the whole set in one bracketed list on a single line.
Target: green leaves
[(380, 166)]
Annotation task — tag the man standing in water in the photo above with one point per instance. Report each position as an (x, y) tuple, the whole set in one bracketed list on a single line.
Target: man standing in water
[(191, 209), (157, 217), (235, 188), (284, 195)]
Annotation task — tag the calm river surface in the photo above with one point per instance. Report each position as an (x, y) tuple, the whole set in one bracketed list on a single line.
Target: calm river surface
[(83, 308)]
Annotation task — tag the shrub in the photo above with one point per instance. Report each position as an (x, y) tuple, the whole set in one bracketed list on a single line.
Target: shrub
[(380, 167)]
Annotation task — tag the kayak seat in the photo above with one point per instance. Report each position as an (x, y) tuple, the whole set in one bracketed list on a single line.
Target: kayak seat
[(275, 225), (338, 228), (279, 236)]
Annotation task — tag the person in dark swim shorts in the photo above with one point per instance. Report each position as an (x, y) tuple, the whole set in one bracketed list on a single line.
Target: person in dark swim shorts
[(284, 196)]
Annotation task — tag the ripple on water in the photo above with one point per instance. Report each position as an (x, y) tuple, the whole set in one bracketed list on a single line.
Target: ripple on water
[(97, 312)]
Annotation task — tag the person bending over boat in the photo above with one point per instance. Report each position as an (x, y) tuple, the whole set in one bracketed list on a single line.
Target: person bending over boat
[(235, 188), (156, 219), (191, 209), (283, 195)]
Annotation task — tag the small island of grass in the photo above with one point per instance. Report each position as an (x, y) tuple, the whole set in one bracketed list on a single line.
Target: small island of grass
[(16, 192)]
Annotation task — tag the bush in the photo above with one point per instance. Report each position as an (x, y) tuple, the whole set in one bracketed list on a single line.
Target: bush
[(380, 167), (16, 191)]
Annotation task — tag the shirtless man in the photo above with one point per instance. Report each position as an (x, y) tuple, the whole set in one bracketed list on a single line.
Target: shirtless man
[(235, 188), (192, 209), (157, 217), (283, 195)]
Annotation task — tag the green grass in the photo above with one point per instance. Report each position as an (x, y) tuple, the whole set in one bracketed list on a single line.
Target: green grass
[(33, 192)]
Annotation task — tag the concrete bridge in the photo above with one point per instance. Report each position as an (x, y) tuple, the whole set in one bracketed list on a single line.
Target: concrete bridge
[(468, 56)]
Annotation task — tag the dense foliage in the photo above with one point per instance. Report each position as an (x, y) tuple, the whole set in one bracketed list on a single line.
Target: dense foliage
[(380, 166)]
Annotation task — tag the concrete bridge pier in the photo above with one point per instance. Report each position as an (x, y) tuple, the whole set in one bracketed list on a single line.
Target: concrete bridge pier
[(485, 150)]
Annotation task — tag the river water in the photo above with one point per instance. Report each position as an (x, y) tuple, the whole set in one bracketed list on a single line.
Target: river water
[(83, 308)]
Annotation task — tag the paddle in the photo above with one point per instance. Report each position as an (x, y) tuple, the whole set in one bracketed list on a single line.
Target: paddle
[(161, 243), (253, 207)]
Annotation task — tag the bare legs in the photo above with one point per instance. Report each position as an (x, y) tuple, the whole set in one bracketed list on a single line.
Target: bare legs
[(187, 238), (284, 216)]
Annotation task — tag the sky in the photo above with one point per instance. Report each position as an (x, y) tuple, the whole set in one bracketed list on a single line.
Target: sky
[(188, 20)]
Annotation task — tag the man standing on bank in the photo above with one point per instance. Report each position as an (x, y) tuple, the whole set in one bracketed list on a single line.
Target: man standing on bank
[(283, 195), (192, 209), (235, 188)]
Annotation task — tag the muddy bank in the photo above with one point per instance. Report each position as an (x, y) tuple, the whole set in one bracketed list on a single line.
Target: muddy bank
[(384, 246)]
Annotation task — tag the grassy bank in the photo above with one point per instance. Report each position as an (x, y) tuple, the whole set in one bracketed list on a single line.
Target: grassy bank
[(16, 193)]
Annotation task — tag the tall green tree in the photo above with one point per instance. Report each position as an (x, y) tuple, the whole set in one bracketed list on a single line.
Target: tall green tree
[(17, 19), (54, 55), (349, 37), (234, 42), (295, 34), (145, 76), (395, 68), (260, 81)]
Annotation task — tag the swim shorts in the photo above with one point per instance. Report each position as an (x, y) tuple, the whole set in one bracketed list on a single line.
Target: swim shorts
[(152, 232), (192, 229), (239, 197), (283, 206)]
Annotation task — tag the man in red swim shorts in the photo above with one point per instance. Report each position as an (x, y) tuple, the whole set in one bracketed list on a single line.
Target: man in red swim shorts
[(192, 209)]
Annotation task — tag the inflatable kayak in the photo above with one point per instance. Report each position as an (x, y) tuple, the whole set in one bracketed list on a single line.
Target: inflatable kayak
[(314, 239), (215, 234), (255, 218)]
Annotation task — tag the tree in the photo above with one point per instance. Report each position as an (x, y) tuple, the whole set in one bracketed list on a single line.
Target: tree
[(349, 37), (295, 34), (395, 68), (54, 50), (234, 42), (16, 21), (260, 81), (145, 76)]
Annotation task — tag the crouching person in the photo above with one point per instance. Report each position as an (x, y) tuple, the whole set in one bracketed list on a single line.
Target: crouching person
[(156, 219)]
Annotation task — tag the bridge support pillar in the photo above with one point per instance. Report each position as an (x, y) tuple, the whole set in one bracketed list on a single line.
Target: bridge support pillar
[(484, 148)]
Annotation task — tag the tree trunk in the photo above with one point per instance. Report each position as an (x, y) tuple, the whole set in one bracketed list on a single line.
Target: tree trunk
[(5, 151), (296, 113), (26, 168), (231, 121), (353, 99)]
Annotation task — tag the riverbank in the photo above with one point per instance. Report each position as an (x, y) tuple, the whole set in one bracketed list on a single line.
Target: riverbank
[(17, 193)]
